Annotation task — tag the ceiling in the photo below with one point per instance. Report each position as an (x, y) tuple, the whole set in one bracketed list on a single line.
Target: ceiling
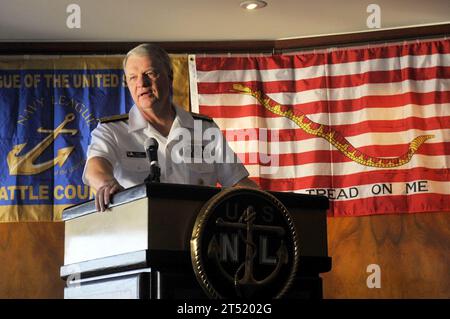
[(207, 20)]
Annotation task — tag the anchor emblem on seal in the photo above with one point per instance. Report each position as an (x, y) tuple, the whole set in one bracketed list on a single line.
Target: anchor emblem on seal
[(246, 284), (25, 164)]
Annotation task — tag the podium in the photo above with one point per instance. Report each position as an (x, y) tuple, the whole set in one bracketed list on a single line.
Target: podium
[(141, 248)]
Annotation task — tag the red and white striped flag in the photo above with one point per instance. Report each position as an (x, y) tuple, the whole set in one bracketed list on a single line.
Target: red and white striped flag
[(368, 127)]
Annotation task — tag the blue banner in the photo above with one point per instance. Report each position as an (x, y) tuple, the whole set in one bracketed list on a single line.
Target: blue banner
[(48, 107)]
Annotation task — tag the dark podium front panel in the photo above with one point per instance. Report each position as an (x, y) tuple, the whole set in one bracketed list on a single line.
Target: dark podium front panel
[(140, 247)]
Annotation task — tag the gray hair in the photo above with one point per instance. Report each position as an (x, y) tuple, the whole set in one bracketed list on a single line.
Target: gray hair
[(153, 51)]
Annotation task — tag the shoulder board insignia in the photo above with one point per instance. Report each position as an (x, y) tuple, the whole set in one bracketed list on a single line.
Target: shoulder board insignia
[(201, 117), (114, 118)]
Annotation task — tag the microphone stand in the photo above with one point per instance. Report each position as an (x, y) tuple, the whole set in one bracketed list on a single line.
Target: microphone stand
[(155, 173), (151, 148)]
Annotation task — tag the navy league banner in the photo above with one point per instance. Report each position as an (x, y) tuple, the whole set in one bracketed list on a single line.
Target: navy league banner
[(48, 107)]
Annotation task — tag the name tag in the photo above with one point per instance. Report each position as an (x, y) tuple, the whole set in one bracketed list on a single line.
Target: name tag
[(136, 154)]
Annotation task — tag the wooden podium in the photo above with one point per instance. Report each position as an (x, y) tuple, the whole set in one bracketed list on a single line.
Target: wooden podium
[(140, 247)]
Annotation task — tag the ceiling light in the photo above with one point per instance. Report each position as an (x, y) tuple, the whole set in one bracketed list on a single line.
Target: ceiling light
[(253, 4)]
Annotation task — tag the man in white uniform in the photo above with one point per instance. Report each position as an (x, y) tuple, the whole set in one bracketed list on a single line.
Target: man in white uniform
[(116, 157)]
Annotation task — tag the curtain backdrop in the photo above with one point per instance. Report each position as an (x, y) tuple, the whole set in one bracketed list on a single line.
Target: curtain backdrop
[(368, 127)]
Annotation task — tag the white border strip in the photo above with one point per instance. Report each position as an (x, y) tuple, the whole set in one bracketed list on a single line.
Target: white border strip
[(193, 83)]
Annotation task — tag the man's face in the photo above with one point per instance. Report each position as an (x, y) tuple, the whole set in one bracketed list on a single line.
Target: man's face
[(148, 83)]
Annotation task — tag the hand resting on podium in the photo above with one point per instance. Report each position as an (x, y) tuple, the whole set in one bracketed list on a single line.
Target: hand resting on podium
[(100, 175)]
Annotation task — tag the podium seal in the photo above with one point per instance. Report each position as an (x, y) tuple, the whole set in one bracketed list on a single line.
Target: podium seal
[(244, 245)]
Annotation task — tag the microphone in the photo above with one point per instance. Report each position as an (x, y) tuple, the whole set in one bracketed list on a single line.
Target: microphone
[(151, 148)]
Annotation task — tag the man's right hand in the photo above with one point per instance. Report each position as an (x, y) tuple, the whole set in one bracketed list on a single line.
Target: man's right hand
[(99, 174), (104, 194)]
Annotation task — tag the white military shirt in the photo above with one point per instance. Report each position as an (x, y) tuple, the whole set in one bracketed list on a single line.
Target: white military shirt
[(121, 142)]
